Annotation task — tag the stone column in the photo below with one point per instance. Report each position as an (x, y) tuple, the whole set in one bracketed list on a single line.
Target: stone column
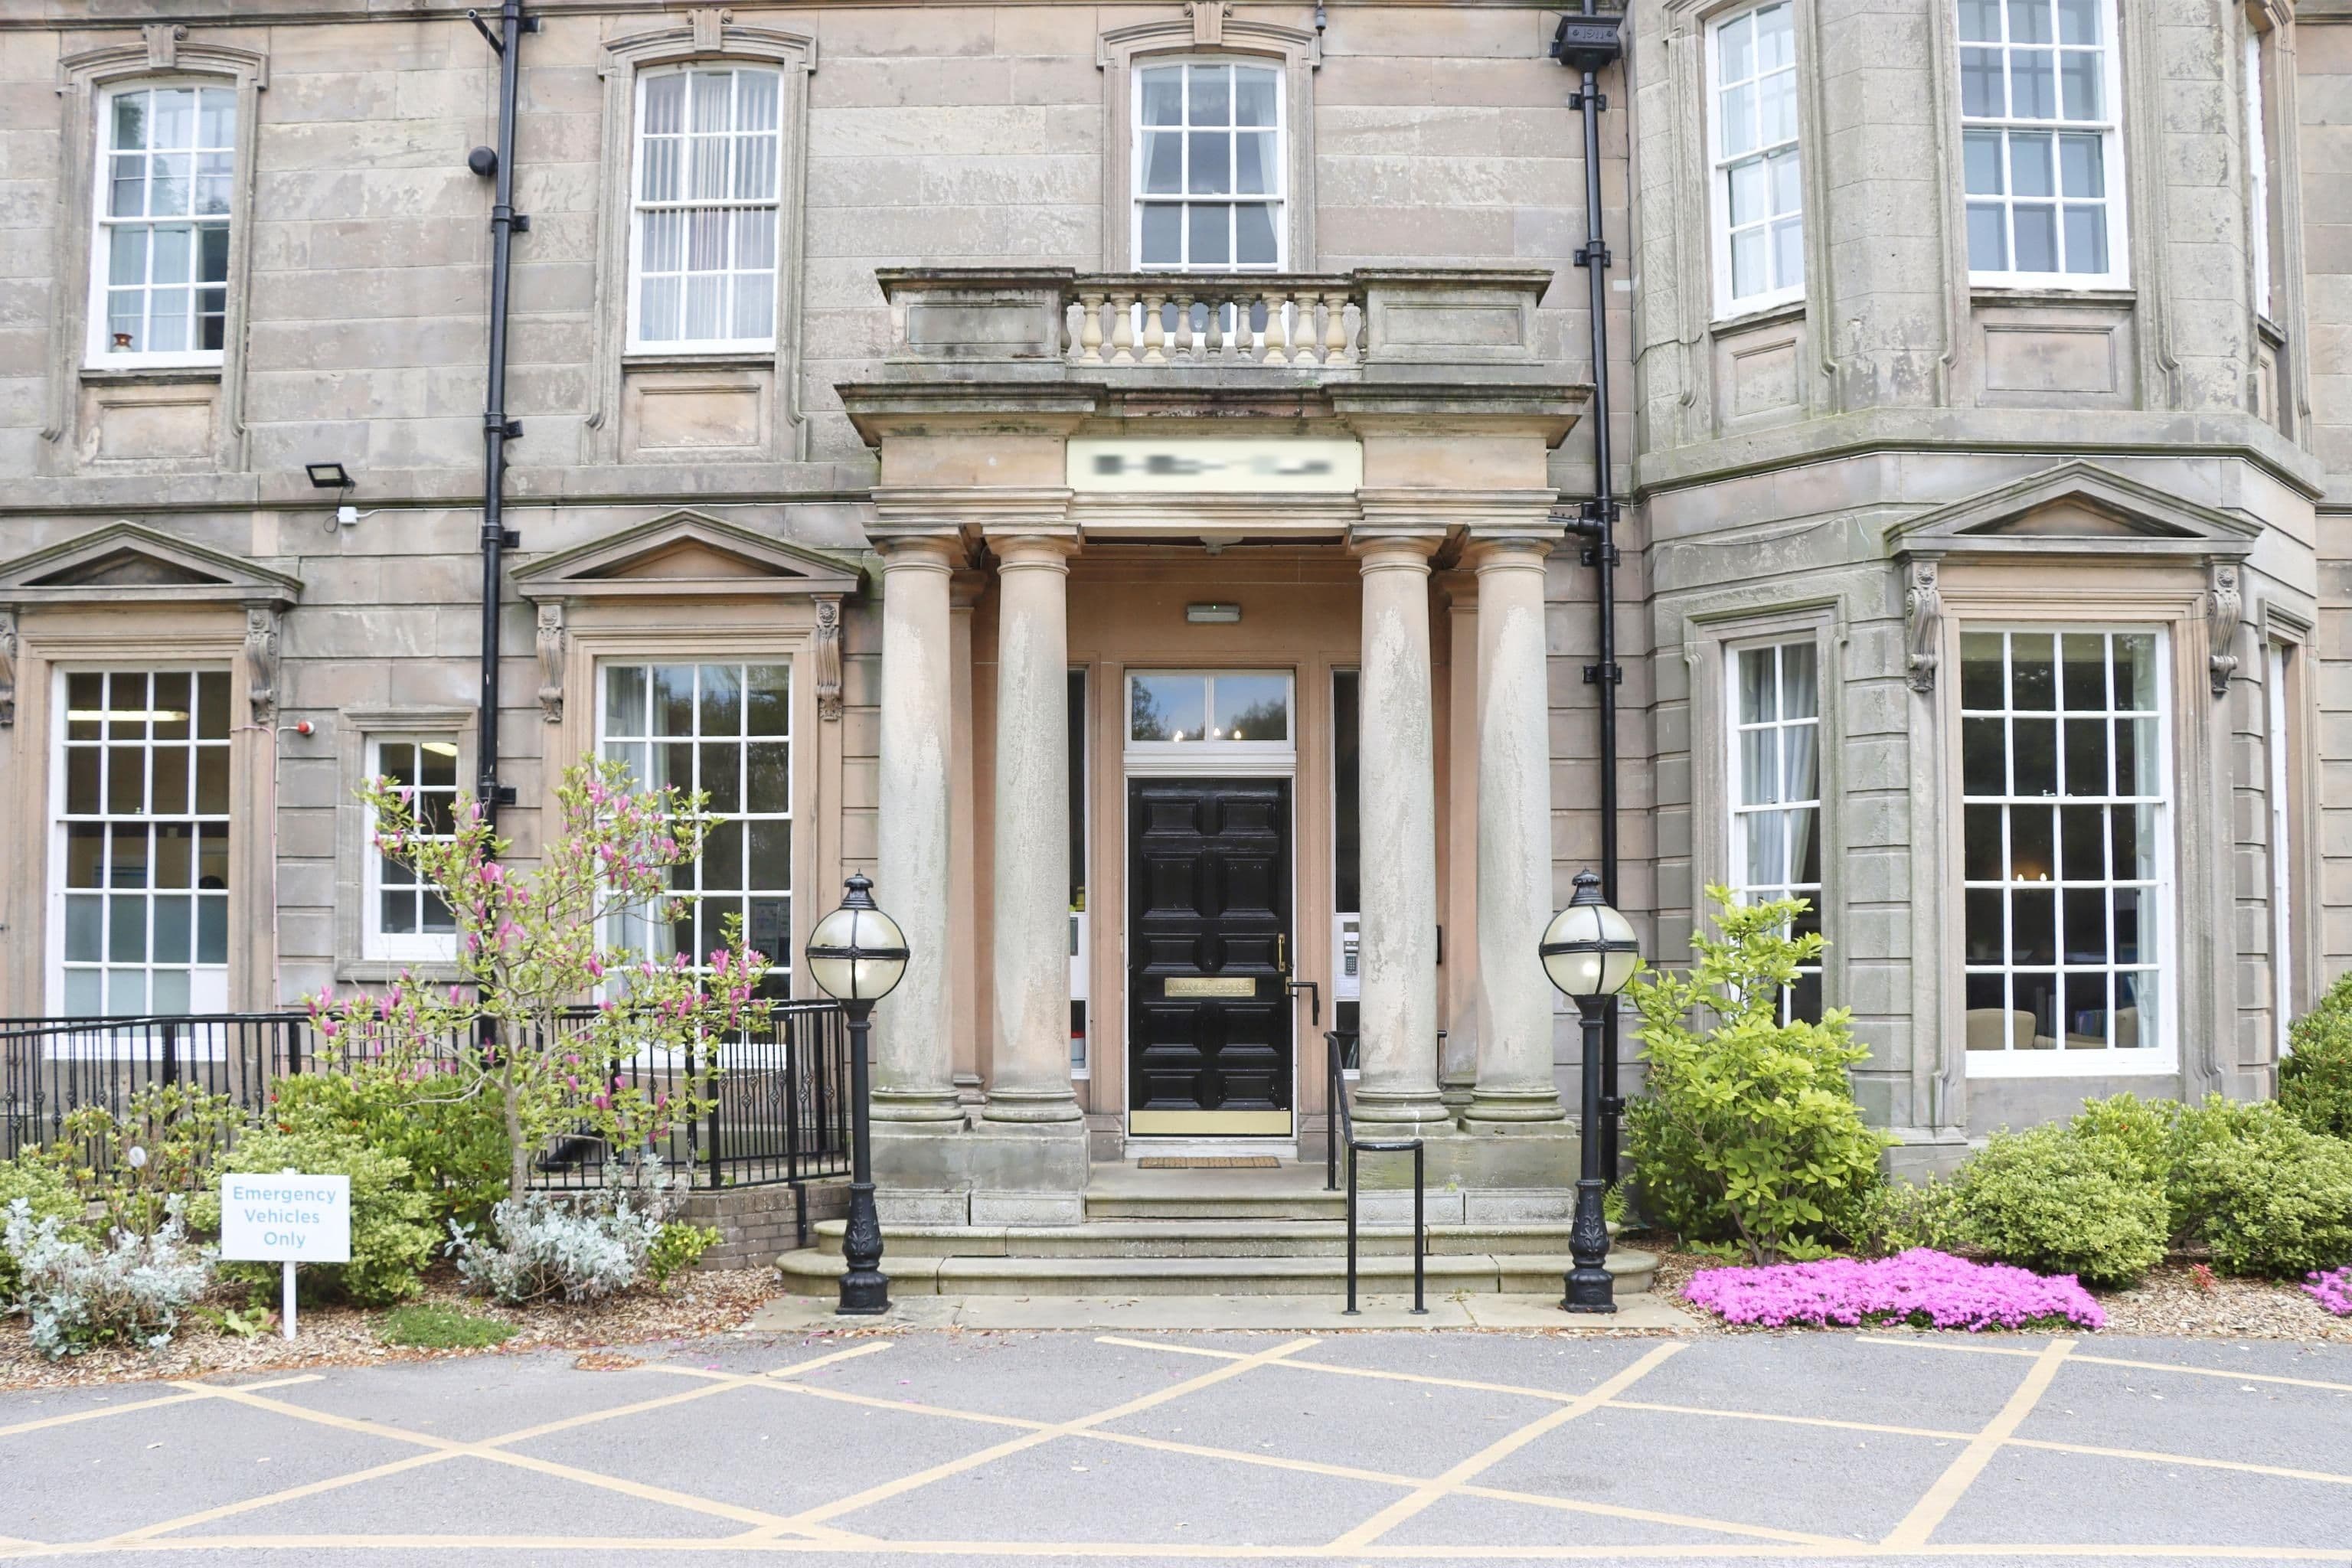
[(1398, 1052), (1463, 1000), (913, 1075), (1029, 1078), (1514, 1047), (963, 900)]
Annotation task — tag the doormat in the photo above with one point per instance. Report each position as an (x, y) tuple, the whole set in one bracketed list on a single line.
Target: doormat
[(1210, 1163)]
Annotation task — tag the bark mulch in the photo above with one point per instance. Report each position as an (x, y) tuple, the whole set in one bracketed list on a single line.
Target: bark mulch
[(694, 1305)]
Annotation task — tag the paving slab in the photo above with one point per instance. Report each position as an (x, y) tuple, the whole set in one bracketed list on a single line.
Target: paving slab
[(2029, 1497), (1855, 1486), (95, 1479), (2264, 1423), (1080, 1489)]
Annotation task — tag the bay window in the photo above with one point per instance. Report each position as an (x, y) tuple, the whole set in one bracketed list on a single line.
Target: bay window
[(1757, 185), (2065, 858), (2041, 149), (1776, 795)]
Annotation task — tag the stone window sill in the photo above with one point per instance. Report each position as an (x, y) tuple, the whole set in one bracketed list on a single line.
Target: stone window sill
[(764, 359), (384, 970), (1768, 315), (149, 375), (2118, 298)]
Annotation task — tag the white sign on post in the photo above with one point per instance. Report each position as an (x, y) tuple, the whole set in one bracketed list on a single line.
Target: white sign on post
[(287, 1219)]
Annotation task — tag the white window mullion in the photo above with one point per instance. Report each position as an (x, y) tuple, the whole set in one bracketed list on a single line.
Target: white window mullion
[(1755, 200), (670, 203), (2042, 154)]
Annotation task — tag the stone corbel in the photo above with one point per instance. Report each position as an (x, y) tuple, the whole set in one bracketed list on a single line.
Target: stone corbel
[(551, 661), (825, 656), (710, 25), (261, 662), (7, 668), (1208, 21), (164, 41), (2225, 611), (1923, 620)]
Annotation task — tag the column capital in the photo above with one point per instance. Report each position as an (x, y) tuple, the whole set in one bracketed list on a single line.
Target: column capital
[(919, 551), (1029, 549), (1393, 549), (1486, 552)]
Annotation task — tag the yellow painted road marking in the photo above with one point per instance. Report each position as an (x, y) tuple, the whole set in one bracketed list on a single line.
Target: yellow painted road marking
[(105, 1410), (888, 1490), (1928, 1344), (1404, 1508), (491, 1449), (1830, 1422), (1930, 1510), (2151, 1457)]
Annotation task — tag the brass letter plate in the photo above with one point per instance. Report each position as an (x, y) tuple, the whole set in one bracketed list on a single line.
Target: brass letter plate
[(1210, 985)]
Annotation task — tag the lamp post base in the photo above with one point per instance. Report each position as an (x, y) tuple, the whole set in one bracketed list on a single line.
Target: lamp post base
[(1589, 1288), (865, 1288)]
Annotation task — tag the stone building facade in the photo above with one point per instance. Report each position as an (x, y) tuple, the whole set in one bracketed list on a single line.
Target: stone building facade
[(934, 417)]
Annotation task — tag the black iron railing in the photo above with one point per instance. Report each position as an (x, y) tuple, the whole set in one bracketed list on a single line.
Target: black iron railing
[(1340, 1129), (780, 1114)]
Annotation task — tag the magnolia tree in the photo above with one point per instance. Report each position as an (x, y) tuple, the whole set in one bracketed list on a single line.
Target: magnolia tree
[(519, 1028)]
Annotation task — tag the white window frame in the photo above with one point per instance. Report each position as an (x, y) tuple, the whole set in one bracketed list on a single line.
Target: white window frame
[(2278, 733), (2163, 1056), (2109, 128), (783, 969), (1278, 199), (1227, 755), (375, 943), (1720, 170), (633, 264), (97, 351), (2258, 177), (1744, 879), (208, 982)]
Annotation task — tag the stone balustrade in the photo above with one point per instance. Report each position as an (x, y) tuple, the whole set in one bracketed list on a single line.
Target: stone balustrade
[(1152, 319), (1322, 325)]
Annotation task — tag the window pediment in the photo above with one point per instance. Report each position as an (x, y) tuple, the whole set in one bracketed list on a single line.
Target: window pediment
[(2074, 509), (125, 561), (686, 553)]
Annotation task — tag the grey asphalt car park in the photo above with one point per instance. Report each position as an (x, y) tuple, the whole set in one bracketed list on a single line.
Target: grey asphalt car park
[(935, 1448)]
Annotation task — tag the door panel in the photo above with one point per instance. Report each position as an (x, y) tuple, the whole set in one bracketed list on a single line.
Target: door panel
[(1208, 1015)]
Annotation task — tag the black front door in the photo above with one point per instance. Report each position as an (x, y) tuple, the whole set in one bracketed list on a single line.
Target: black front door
[(1208, 1024)]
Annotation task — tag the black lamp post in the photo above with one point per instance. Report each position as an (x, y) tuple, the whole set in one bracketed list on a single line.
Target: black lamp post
[(857, 955), (1590, 952)]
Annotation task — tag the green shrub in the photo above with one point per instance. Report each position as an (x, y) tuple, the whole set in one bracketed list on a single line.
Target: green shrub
[(392, 1224), (1896, 1216), (431, 1326), (2266, 1193), (2139, 1132), (455, 1147), (677, 1246), (2058, 1201), (2316, 1077), (1747, 1130), (48, 1194)]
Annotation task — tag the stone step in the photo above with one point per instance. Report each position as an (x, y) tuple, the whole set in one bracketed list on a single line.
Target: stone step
[(1198, 1239), (812, 1272)]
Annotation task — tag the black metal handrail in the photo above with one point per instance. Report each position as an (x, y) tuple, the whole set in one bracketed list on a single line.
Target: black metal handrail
[(779, 1116), (1339, 1127)]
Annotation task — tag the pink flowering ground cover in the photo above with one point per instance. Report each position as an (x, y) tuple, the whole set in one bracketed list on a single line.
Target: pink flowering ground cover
[(1921, 1288), (2333, 1290)]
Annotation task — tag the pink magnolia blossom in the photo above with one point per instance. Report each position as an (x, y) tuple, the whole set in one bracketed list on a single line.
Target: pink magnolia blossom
[(1931, 1289)]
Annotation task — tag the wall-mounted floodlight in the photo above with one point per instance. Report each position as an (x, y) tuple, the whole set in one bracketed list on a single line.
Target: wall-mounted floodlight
[(328, 476), (1212, 615)]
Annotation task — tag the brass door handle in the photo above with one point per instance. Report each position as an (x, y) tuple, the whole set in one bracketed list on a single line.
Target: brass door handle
[(1281, 953)]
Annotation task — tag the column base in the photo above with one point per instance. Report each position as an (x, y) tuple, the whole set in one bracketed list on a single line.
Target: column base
[(1418, 1114), (1524, 1175), (1509, 1109), (1032, 1108), (939, 1108)]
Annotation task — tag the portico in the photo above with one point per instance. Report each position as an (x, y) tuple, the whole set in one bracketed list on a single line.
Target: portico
[(1166, 898)]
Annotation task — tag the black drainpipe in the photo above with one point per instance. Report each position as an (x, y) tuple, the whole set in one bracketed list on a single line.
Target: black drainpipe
[(1586, 43), (497, 428)]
